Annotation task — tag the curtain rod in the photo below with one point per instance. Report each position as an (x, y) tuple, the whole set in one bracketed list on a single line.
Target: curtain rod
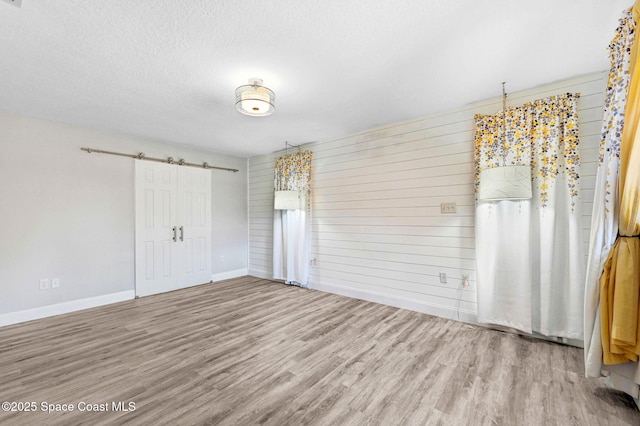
[(287, 145), (170, 160)]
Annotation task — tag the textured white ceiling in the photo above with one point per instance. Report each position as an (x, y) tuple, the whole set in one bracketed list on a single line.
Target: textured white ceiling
[(167, 69)]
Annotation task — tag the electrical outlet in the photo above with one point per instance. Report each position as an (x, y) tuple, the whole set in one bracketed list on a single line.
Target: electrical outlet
[(55, 282), (447, 208), (221, 259), (443, 278), (44, 284), (465, 281)]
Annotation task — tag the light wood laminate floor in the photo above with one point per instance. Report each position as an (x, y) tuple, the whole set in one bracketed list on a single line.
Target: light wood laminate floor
[(250, 351)]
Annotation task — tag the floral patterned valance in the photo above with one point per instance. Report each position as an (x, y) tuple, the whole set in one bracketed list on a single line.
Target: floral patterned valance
[(617, 87), (293, 173), (542, 134)]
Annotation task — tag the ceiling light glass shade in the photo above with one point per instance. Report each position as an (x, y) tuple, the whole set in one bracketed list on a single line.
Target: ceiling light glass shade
[(505, 183), (255, 99)]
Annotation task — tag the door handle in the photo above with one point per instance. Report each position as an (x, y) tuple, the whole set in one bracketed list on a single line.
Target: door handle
[(181, 233), (174, 235)]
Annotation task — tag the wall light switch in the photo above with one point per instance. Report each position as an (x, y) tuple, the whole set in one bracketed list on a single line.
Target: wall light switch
[(447, 208), (55, 282), (44, 284)]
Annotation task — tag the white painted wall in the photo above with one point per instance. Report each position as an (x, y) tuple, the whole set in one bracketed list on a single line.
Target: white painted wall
[(377, 228), (68, 214)]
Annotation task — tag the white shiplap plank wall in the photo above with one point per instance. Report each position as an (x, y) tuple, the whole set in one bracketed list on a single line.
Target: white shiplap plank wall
[(378, 233)]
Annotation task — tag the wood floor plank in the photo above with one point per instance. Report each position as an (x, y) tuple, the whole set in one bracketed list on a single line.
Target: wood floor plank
[(251, 351)]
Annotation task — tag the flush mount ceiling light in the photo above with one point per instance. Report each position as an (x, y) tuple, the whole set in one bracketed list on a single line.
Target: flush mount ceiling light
[(255, 99)]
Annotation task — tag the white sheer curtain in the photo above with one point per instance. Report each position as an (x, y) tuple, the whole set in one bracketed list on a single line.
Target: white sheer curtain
[(292, 228), (529, 253)]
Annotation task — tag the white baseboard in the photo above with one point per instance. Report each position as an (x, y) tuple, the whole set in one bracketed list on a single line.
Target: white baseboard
[(261, 273), (448, 312), (64, 308), (229, 274), (400, 302)]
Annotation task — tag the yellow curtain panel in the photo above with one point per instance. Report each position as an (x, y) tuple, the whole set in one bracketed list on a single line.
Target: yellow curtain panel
[(620, 280)]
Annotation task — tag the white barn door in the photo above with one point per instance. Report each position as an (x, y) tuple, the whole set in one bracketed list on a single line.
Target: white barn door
[(194, 232), (156, 217), (173, 227)]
